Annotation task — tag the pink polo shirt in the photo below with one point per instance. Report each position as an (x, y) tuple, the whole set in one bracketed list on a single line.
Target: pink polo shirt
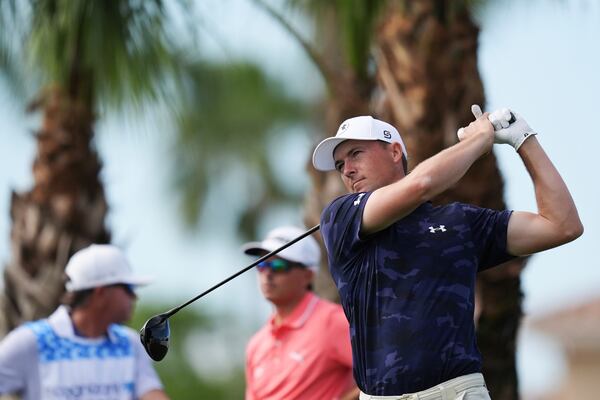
[(307, 357)]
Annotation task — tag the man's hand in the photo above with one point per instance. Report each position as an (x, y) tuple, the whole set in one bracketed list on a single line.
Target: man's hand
[(481, 124), (513, 133), (509, 127)]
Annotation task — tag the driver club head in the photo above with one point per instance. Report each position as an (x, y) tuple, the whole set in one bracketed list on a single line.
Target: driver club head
[(155, 336)]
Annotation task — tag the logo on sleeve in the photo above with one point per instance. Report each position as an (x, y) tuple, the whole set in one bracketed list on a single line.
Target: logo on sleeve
[(357, 201), (441, 228)]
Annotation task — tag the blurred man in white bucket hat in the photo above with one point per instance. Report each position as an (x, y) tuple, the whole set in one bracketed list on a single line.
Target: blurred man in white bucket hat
[(81, 351)]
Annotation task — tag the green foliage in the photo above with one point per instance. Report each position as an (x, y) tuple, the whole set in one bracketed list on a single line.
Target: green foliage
[(107, 51), (176, 372), (9, 68), (356, 21), (122, 53), (227, 114)]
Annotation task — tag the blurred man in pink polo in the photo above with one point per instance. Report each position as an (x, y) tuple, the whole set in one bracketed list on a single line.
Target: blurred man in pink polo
[(303, 351)]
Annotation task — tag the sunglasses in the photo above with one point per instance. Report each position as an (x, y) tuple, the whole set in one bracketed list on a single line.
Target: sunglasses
[(128, 288), (278, 265)]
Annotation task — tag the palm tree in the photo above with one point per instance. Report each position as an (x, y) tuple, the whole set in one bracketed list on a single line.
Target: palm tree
[(84, 56), (427, 68), (415, 65)]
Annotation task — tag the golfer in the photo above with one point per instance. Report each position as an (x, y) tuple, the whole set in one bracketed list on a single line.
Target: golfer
[(303, 352), (405, 269), (81, 351)]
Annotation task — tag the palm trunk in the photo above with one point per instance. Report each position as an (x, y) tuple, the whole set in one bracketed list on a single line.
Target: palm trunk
[(62, 213), (349, 96), (427, 69)]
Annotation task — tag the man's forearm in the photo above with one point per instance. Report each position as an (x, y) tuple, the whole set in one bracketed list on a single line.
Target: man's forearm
[(446, 168), (430, 178)]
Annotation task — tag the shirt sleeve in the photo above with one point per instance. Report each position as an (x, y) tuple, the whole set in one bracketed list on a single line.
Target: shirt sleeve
[(18, 361), (340, 226), (341, 349), (146, 378), (489, 230)]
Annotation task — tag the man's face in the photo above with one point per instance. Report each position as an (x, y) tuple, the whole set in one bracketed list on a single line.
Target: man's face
[(283, 286), (366, 165), (119, 301)]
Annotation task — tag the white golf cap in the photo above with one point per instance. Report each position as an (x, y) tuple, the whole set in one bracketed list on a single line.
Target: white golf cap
[(100, 265), (357, 128), (305, 251)]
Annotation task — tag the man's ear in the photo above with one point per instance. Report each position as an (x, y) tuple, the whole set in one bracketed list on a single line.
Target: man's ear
[(310, 274), (397, 151)]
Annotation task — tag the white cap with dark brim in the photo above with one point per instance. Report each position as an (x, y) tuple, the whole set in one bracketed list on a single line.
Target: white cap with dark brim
[(100, 265), (305, 251), (357, 128)]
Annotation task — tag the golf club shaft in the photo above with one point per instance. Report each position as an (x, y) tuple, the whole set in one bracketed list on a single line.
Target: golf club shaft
[(255, 263)]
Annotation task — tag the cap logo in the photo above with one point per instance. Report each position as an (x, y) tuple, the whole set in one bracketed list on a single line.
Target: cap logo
[(387, 134), (344, 127)]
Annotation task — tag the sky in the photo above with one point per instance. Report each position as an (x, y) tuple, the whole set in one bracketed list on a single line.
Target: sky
[(540, 59)]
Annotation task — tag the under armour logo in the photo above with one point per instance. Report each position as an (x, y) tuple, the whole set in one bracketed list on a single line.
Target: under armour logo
[(387, 134), (357, 201), (441, 228), (344, 127)]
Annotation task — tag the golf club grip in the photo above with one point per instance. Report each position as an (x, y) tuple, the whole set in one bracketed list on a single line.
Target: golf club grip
[(511, 120), (254, 264)]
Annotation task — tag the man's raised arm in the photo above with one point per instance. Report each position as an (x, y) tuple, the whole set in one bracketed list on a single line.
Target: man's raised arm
[(556, 221)]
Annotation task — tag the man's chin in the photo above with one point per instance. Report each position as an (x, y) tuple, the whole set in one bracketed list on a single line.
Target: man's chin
[(269, 294)]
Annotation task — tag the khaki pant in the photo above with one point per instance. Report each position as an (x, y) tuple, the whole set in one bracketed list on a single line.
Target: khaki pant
[(466, 387)]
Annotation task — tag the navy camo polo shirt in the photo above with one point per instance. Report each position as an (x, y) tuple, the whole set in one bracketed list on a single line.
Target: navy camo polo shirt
[(408, 290)]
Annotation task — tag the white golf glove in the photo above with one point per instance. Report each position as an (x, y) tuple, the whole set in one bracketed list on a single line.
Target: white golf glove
[(508, 131), (509, 127)]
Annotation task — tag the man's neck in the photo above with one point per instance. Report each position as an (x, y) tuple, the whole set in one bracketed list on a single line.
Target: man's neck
[(282, 311), (87, 325)]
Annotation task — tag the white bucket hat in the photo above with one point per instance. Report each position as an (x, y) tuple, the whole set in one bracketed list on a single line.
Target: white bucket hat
[(100, 265), (305, 251), (357, 128)]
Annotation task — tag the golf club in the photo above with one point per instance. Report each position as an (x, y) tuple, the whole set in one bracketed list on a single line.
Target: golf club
[(156, 331)]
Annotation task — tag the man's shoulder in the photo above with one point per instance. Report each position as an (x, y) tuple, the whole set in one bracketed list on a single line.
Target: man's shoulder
[(26, 331), (329, 311), (22, 338), (118, 332), (329, 306), (354, 198), (343, 208)]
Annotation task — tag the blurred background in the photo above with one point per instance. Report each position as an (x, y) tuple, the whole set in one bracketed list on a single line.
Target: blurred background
[(197, 124)]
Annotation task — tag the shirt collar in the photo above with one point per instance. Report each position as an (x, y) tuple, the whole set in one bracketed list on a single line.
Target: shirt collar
[(62, 324), (299, 316)]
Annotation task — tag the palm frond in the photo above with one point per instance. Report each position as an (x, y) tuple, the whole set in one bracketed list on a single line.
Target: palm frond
[(227, 115), (356, 20), (116, 50), (9, 56)]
